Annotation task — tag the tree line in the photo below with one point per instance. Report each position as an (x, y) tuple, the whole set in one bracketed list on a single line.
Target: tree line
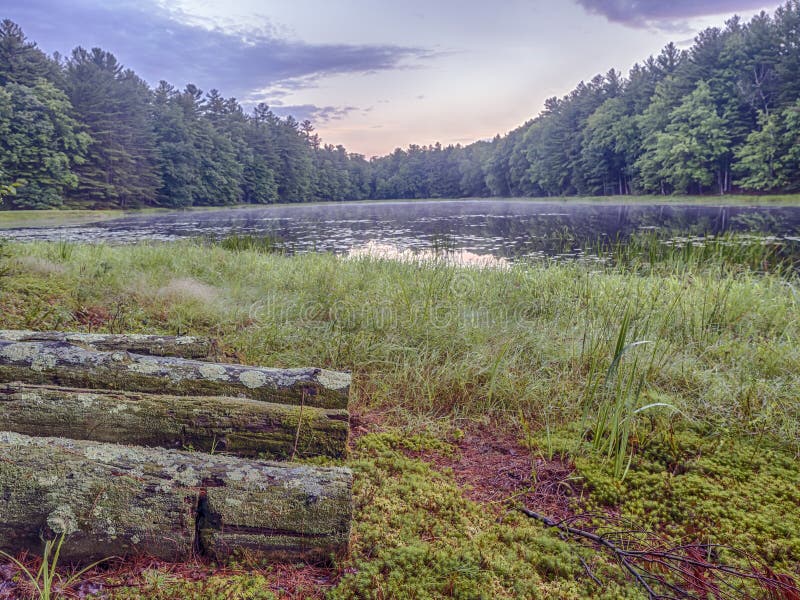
[(720, 117)]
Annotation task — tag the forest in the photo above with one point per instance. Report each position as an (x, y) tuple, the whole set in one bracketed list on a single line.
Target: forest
[(721, 117)]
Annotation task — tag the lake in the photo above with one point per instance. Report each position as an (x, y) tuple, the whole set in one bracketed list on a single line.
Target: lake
[(510, 229)]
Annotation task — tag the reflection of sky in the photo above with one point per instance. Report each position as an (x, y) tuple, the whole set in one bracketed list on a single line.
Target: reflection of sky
[(504, 228), (375, 74)]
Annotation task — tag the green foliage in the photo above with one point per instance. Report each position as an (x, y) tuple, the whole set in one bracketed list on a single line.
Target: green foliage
[(162, 586), (40, 144), (251, 243), (769, 159), (688, 154), (21, 62), (709, 487)]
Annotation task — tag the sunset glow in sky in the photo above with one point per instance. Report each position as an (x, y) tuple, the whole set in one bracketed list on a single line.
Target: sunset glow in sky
[(373, 74)]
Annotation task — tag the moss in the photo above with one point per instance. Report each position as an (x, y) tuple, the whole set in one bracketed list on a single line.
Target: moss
[(690, 485), (158, 587), (416, 536)]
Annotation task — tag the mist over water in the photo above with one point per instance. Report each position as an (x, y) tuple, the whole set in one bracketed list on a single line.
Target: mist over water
[(507, 229)]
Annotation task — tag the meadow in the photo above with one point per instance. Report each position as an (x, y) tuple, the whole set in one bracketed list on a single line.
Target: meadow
[(654, 392)]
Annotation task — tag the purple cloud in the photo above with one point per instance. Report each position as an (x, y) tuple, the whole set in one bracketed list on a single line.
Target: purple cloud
[(162, 44), (664, 14), (316, 114)]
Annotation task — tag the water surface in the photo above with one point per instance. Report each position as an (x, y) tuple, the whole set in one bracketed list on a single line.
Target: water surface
[(503, 228)]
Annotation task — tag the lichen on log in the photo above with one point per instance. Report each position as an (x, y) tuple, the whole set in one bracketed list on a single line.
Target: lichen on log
[(237, 426), (114, 500), (63, 364), (182, 346)]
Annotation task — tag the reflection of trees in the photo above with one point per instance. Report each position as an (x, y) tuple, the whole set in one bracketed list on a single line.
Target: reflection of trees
[(514, 227)]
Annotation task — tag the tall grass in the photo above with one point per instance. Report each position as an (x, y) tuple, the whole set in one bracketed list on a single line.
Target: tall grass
[(47, 582), (436, 343), (675, 254)]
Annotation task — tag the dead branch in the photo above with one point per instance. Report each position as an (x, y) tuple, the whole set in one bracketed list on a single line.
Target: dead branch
[(670, 572)]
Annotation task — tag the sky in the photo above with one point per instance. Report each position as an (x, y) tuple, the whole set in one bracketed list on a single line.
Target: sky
[(375, 75)]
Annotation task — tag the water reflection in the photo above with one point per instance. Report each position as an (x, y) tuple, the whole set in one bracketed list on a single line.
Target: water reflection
[(507, 229)]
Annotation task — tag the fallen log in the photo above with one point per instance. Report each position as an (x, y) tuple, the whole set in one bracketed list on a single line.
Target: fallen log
[(113, 500), (58, 363), (237, 426), (182, 346)]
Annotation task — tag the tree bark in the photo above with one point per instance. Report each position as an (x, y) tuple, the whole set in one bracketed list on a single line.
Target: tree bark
[(155, 345), (113, 500), (237, 426), (61, 364)]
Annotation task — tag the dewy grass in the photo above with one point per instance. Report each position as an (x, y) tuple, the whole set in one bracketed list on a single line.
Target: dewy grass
[(434, 345), (436, 339)]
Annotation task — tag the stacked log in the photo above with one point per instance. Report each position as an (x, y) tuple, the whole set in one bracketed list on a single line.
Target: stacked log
[(237, 426), (114, 500), (182, 346), (104, 469), (63, 364)]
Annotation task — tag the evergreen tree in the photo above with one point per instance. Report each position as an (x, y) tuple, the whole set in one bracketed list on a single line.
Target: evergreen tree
[(114, 105), (761, 160), (21, 61)]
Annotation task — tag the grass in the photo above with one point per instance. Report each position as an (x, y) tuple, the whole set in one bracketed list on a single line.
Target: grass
[(706, 418), (46, 582)]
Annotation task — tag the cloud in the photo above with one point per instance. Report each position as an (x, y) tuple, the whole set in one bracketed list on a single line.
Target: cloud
[(664, 14), (316, 114), (159, 43)]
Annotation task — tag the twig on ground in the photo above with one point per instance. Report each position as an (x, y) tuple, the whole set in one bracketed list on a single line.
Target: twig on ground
[(688, 571)]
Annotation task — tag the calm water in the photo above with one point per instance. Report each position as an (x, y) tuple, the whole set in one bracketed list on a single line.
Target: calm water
[(503, 228)]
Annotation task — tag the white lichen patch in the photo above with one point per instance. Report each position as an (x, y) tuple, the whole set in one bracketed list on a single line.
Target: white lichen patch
[(214, 372), (21, 352), (184, 475), (104, 452), (253, 379), (43, 362), (63, 520), (87, 400), (47, 480), (145, 367), (233, 502), (15, 335), (334, 380), (14, 439), (119, 408)]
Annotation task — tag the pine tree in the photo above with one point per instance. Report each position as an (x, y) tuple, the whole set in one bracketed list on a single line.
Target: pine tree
[(114, 105), (761, 161), (21, 61)]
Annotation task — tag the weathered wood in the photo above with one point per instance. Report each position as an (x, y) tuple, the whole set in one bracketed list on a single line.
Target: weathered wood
[(114, 500), (237, 426), (182, 346), (44, 363)]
